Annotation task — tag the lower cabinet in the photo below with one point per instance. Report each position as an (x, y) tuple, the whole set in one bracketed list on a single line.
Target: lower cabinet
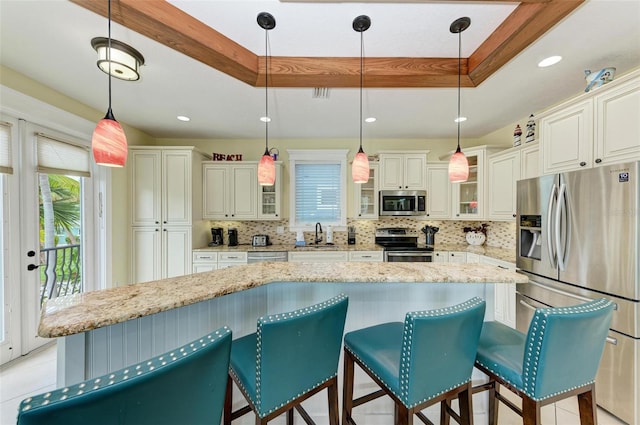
[(205, 261), (505, 295), (231, 259), (366, 256), (441, 257), (449, 257), (318, 257)]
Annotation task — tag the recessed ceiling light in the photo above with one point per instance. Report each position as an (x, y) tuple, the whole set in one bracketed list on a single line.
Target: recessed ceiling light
[(265, 119), (551, 60), (370, 119), (183, 118), (460, 119)]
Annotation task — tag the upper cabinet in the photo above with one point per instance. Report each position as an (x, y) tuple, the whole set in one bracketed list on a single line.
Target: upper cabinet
[(438, 190), (403, 170), (231, 192), (366, 195), (596, 128)]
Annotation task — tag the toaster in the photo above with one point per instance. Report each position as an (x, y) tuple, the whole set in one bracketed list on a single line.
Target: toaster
[(260, 240)]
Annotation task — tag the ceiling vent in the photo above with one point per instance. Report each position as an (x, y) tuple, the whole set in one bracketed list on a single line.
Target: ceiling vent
[(320, 93)]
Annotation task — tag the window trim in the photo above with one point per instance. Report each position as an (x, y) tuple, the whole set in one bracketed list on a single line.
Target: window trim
[(318, 156)]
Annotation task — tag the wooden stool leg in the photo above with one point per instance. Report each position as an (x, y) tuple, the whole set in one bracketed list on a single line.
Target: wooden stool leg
[(493, 403), (332, 395), (228, 402), (347, 390), (466, 406), (402, 416), (290, 416), (587, 407), (445, 418), (530, 412)]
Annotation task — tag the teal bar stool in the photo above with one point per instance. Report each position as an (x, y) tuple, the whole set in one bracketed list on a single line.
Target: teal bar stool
[(291, 357), (425, 360), (556, 359), (183, 386)]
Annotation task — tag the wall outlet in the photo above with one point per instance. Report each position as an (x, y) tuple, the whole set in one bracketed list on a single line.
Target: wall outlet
[(280, 230)]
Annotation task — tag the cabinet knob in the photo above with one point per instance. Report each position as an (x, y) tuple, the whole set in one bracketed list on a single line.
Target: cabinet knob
[(157, 230), (457, 215), (582, 164), (514, 216), (598, 160), (452, 255), (164, 230), (157, 222)]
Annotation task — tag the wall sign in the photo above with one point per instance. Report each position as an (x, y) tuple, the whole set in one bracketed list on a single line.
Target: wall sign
[(226, 157)]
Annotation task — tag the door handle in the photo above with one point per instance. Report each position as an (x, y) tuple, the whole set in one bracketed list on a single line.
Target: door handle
[(550, 244), (32, 267)]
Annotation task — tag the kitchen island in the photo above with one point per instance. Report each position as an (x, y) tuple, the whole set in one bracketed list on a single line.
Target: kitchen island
[(106, 330)]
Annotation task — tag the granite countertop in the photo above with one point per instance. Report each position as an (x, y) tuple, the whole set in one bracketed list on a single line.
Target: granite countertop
[(91, 310), (494, 252)]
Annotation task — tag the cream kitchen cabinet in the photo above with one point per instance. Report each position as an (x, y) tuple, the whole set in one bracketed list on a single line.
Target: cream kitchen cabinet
[(204, 261), (438, 190), (403, 170), (366, 195), (596, 128), (505, 294), (318, 256), (230, 191), (441, 257), (366, 256), (165, 221), (469, 198), (449, 257), (530, 161), (231, 259), (269, 198)]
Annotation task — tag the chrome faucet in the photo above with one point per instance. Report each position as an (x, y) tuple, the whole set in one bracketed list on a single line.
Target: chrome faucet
[(318, 239)]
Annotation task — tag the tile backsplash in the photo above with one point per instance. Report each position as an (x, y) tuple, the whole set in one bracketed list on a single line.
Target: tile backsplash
[(500, 234)]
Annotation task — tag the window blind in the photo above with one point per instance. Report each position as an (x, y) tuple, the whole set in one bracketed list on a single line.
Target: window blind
[(317, 193), (56, 156), (6, 165)]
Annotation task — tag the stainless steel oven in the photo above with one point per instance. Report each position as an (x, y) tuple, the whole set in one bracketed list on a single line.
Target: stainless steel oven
[(401, 245)]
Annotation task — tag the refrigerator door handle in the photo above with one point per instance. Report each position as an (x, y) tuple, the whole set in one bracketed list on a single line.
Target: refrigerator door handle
[(550, 240), (561, 292), (527, 305), (560, 236)]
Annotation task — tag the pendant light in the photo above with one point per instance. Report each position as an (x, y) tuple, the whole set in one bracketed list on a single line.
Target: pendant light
[(360, 166), (267, 166), (109, 143), (458, 164)]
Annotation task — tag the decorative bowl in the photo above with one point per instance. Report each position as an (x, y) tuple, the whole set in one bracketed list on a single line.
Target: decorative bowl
[(475, 238)]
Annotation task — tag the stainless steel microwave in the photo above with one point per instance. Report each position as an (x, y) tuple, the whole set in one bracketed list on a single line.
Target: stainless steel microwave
[(402, 202)]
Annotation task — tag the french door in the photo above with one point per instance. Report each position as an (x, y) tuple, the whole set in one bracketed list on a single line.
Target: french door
[(50, 230)]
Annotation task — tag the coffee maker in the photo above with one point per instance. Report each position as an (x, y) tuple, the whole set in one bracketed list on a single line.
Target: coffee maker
[(233, 236), (216, 236)]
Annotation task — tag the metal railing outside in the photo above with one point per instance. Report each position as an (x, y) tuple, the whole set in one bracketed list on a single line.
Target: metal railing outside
[(60, 272)]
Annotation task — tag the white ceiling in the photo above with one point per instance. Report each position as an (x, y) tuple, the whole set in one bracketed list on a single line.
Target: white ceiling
[(49, 41)]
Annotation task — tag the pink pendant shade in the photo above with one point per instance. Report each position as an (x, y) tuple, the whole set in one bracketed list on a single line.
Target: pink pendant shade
[(360, 168), (458, 167), (109, 143), (266, 170)]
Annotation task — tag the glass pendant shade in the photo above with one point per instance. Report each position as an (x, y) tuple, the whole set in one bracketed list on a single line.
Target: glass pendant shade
[(458, 167), (360, 168), (266, 170), (109, 143)]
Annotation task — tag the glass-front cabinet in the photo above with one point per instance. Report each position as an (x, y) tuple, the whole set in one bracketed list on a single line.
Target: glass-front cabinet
[(366, 195), (466, 194), (269, 198)]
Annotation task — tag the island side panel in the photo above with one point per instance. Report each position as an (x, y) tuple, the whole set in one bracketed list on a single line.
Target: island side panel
[(113, 347)]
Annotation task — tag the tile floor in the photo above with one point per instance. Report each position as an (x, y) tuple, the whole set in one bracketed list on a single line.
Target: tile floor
[(36, 373)]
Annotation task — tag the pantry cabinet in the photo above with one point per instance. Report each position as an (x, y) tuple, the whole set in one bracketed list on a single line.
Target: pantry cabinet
[(596, 128), (438, 190), (403, 170), (165, 220)]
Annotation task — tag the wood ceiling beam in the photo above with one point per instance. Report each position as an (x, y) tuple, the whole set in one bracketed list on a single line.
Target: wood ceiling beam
[(173, 28)]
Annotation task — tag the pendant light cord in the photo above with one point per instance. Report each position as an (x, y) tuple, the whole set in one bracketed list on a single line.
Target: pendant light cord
[(266, 92), (361, 81), (109, 54), (459, 73)]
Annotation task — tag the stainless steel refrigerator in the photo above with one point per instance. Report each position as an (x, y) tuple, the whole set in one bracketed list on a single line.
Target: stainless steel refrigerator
[(577, 240)]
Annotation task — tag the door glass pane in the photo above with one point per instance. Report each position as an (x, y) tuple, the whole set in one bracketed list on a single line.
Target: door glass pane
[(60, 235), (469, 189)]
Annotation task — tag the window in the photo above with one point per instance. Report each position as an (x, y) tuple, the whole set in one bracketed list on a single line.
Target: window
[(318, 191)]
